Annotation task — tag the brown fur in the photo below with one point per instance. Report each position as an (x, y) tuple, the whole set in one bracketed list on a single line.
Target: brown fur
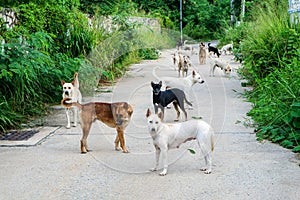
[(202, 54), (115, 115)]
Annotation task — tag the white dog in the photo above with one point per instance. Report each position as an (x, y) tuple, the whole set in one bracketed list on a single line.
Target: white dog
[(169, 136), (227, 48), (71, 90), (217, 62), (184, 84)]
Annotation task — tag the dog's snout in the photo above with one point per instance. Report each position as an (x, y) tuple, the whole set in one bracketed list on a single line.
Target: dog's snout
[(67, 93), (119, 122), (202, 81), (153, 129)]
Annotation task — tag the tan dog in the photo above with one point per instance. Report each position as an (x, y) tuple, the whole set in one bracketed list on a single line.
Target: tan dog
[(183, 64), (168, 136), (202, 54), (71, 90), (114, 115)]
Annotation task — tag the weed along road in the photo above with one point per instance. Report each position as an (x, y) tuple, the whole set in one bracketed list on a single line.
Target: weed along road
[(243, 168)]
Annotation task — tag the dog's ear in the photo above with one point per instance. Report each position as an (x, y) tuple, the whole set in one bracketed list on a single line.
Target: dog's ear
[(152, 84), (161, 116), (194, 73), (148, 113), (129, 109), (63, 82), (160, 83)]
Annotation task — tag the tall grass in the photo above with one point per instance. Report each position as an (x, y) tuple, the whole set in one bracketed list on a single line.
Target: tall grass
[(271, 52), (267, 41), (129, 44)]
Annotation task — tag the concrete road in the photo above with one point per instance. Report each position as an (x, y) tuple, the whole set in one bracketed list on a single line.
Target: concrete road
[(243, 168)]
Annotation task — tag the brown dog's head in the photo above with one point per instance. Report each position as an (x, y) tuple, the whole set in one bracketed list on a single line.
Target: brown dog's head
[(122, 113)]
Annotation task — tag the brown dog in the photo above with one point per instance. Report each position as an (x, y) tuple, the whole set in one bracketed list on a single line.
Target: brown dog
[(202, 54), (115, 115)]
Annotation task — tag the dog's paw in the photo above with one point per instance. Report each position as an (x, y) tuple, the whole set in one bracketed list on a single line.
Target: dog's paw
[(163, 173), (125, 151), (153, 169), (176, 120), (68, 127), (118, 149), (206, 171)]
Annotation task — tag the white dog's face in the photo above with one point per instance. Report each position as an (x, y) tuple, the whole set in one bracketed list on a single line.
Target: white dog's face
[(227, 70), (153, 121), (67, 89), (197, 78)]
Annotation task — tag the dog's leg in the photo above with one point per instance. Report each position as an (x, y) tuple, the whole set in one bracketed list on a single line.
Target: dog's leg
[(155, 108), (120, 131), (117, 143), (208, 163), (177, 110), (75, 116), (162, 110), (86, 126), (164, 154), (68, 117), (157, 154), (181, 105), (207, 157)]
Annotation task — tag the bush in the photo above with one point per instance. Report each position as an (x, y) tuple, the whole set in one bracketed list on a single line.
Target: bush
[(271, 52)]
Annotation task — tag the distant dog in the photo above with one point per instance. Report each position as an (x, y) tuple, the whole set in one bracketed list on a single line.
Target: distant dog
[(183, 64), (184, 84), (71, 90), (114, 115), (175, 58), (186, 65), (227, 48), (217, 62), (202, 54), (162, 98), (169, 136), (214, 50)]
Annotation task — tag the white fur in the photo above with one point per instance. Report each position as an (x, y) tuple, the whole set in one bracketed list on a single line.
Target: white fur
[(226, 48), (184, 84), (217, 62), (71, 90), (168, 136)]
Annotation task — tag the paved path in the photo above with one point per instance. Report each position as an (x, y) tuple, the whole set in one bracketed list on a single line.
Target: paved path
[(243, 168)]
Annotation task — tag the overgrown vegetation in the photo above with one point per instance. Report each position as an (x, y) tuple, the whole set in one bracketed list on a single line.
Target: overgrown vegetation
[(270, 47), (53, 40)]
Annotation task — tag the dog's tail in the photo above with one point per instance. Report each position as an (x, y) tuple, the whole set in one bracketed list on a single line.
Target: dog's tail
[(189, 103), (68, 105)]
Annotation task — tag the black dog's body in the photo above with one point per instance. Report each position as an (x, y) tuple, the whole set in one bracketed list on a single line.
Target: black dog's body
[(162, 98), (214, 50)]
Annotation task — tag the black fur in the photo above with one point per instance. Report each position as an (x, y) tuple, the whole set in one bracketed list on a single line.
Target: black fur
[(162, 98), (213, 49)]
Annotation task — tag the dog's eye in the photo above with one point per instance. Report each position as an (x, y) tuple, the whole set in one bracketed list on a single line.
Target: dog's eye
[(69, 88), (150, 122), (156, 122)]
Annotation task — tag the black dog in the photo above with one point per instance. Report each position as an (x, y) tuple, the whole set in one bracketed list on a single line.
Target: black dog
[(213, 49), (162, 98)]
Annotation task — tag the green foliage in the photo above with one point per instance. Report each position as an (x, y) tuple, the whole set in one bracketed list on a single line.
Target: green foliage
[(270, 47)]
